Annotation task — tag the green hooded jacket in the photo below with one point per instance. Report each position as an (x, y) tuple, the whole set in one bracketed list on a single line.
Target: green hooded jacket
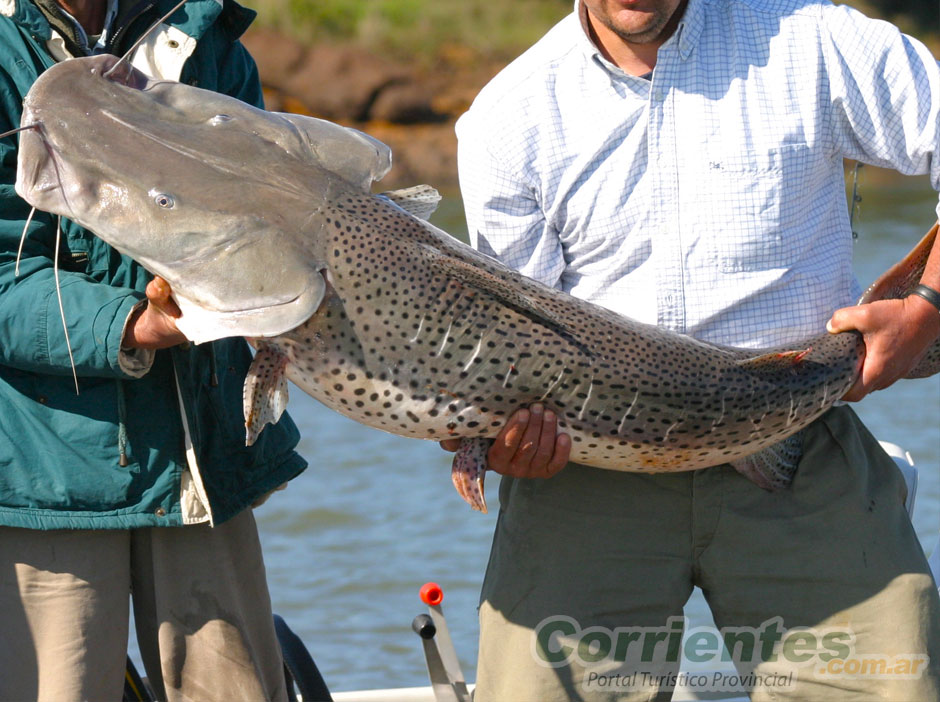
[(60, 451)]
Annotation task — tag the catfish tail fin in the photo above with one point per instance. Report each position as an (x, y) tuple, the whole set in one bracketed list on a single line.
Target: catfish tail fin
[(897, 282)]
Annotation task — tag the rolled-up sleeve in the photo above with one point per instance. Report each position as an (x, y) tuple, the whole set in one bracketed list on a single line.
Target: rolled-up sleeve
[(885, 89)]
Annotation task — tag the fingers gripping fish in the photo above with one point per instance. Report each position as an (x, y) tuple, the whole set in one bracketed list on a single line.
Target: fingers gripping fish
[(265, 227)]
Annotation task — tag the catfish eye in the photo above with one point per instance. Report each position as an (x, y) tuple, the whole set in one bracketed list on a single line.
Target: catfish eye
[(163, 200)]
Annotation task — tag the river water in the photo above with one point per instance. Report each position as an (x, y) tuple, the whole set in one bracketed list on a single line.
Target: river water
[(352, 539)]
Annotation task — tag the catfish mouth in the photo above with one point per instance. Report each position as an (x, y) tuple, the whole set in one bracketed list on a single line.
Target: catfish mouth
[(39, 173), (274, 307), (200, 322), (194, 295)]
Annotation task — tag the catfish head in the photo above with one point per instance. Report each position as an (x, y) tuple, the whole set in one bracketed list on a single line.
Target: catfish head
[(216, 196)]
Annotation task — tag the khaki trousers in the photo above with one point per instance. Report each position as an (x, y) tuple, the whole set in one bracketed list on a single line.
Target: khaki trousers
[(201, 607), (590, 566)]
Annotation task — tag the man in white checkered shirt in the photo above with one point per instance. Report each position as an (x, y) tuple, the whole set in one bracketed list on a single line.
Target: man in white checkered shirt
[(681, 162)]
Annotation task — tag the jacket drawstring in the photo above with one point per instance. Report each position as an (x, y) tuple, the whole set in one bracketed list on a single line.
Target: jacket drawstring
[(213, 374), (122, 424)]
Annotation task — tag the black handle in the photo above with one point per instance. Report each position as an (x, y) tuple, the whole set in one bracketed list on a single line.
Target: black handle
[(424, 627)]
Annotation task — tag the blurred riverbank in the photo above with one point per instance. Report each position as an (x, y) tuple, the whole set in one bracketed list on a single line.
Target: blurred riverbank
[(405, 70)]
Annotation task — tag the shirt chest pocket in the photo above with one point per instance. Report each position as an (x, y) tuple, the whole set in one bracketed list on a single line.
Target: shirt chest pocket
[(752, 207)]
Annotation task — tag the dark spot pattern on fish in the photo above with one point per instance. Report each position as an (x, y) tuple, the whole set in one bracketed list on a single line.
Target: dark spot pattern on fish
[(429, 321)]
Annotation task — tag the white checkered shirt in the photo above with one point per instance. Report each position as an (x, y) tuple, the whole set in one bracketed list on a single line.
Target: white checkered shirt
[(709, 200)]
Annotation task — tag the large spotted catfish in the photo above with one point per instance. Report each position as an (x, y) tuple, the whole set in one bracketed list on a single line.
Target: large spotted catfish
[(265, 227)]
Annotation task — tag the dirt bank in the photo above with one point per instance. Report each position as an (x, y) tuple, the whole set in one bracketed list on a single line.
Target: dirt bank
[(410, 109)]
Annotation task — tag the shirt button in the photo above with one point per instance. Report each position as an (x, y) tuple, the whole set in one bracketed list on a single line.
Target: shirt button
[(160, 512)]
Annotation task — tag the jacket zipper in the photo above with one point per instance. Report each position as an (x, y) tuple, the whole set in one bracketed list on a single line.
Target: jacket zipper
[(134, 15)]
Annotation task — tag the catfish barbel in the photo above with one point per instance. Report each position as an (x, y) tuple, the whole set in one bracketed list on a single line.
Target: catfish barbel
[(265, 227)]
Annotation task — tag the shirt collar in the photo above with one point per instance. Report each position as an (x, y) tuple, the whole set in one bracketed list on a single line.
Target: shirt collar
[(73, 35), (690, 26)]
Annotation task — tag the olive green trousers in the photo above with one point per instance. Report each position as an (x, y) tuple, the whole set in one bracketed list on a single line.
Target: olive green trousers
[(201, 608), (819, 592)]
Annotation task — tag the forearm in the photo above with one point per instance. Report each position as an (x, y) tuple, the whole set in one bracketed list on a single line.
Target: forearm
[(34, 337), (896, 333), (31, 326), (931, 276)]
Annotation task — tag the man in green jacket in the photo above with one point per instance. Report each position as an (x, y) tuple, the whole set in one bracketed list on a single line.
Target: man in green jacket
[(154, 437)]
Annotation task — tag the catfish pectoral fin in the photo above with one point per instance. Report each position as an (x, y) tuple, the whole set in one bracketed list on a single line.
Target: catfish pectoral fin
[(264, 397), (774, 467), (468, 471)]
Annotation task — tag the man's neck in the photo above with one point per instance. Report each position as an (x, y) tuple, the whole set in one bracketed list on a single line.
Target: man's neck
[(89, 14), (637, 59)]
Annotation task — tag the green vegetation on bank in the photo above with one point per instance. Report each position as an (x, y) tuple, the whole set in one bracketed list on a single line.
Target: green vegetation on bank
[(428, 29), (919, 18), (416, 28)]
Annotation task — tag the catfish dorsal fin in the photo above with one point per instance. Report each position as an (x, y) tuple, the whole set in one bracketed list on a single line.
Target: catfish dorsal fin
[(418, 200)]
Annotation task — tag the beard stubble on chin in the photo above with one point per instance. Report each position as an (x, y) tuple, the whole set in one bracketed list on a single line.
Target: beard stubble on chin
[(660, 18)]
